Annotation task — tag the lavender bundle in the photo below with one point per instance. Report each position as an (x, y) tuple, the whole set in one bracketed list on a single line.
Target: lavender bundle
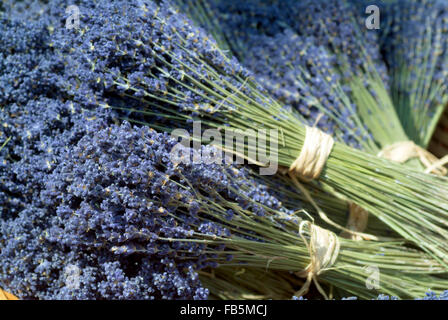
[(56, 197), (278, 241), (95, 211), (329, 69), (415, 46)]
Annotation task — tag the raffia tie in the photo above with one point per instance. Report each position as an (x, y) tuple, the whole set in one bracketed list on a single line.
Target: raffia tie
[(357, 221), (314, 154), (403, 151), (324, 249)]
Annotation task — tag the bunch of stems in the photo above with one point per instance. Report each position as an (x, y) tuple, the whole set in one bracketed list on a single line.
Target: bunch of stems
[(419, 95), (242, 283), (275, 243), (384, 118)]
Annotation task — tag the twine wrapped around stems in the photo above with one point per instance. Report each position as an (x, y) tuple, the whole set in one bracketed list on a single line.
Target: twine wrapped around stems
[(324, 248), (357, 221), (315, 152), (403, 151)]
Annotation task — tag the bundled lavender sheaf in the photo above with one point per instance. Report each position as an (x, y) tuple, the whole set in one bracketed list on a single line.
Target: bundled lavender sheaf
[(103, 208), (415, 46)]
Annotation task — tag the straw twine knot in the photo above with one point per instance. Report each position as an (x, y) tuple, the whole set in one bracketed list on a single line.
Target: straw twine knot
[(314, 154), (403, 151), (324, 249), (357, 221)]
